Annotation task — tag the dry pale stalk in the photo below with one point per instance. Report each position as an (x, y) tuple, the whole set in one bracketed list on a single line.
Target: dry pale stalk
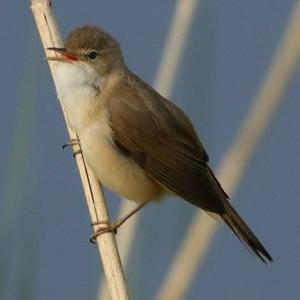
[(46, 23), (170, 61)]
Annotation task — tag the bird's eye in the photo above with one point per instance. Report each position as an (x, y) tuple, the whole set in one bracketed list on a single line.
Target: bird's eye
[(92, 55)]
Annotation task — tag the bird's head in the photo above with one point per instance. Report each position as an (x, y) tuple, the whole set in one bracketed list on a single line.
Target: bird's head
[(90, 47)]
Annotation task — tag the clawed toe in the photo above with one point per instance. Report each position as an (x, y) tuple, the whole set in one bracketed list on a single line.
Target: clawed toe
[(110, 227), (76, 152), (72, 142)]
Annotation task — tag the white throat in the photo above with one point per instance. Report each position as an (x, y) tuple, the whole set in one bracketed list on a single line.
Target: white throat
[(77, 75), (77, 84)]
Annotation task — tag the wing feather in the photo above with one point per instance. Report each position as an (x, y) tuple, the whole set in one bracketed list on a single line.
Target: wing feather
[(159, 137)]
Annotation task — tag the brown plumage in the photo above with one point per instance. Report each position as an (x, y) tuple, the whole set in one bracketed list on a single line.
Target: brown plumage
[(138, 143), (160, 138)]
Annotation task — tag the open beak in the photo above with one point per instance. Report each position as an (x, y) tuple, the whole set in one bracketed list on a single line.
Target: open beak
[(65, 56)]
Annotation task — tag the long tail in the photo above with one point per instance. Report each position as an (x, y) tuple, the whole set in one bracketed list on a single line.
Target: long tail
[(244, 233)]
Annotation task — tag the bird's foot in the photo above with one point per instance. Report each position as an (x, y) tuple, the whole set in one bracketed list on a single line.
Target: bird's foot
[(76, 152), (110, 226), (73, 142)]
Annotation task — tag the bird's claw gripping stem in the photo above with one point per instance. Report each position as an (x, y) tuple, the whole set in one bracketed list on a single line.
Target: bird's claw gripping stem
[(111, 226), (73, 142)]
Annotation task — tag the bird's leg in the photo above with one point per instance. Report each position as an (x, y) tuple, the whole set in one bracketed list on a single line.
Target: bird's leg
[(112, 226), (73, 142)]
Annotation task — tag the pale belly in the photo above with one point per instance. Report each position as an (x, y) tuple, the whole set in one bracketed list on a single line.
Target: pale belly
[(115, 171), (89, 119)]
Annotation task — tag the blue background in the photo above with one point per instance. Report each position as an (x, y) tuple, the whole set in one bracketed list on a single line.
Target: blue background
[(44, 223)]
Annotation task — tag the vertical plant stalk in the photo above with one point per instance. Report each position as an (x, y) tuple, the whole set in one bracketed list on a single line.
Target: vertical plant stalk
[(170, 61), (47, 27), (201, 232)]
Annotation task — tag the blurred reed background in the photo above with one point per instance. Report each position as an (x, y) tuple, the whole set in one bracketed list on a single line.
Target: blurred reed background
[(226, 57)]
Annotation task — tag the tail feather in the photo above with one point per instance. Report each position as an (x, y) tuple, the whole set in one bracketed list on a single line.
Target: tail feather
[(244, 233)]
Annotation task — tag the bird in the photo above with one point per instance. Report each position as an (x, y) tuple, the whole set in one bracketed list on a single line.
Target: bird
[(137, 143)]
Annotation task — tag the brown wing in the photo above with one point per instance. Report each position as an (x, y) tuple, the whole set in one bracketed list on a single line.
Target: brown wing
[(159, 137)]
